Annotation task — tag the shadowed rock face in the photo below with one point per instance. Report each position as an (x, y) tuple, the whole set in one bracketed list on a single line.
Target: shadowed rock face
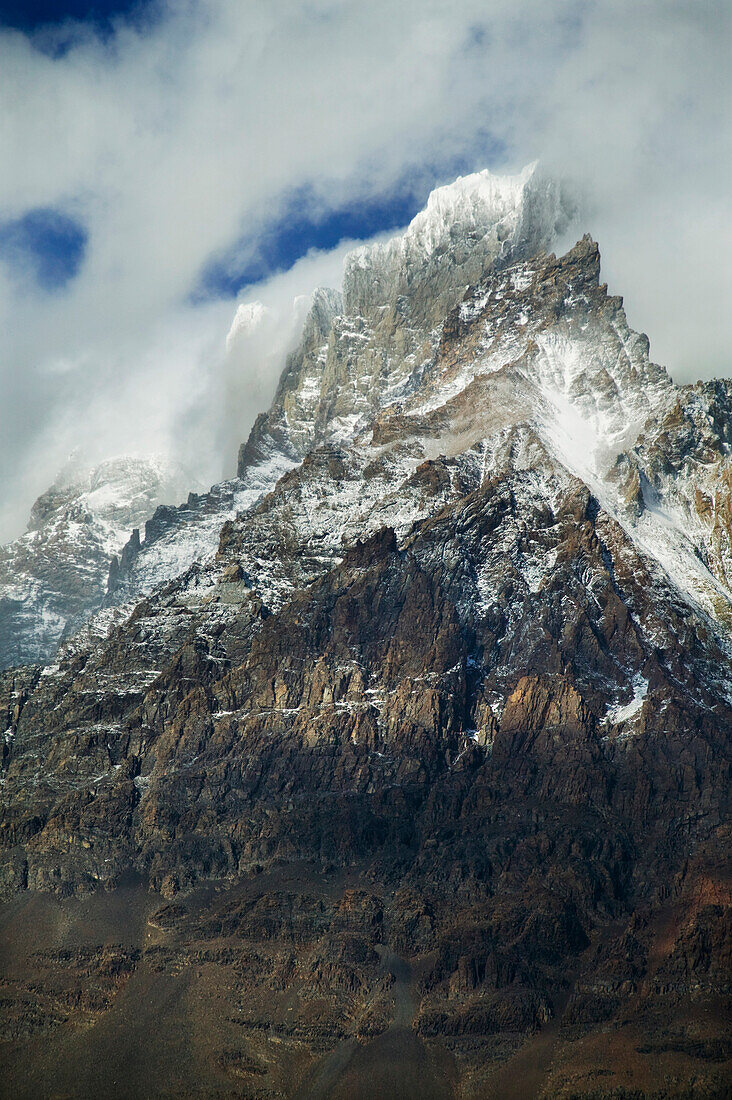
[(420, 784)]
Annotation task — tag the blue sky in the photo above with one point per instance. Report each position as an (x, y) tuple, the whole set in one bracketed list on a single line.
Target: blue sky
[(44, 245), (30, 15), (297, 231), (162, 160), (305, 223)]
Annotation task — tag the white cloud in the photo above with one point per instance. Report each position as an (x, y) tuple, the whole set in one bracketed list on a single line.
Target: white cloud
[(171, 140)]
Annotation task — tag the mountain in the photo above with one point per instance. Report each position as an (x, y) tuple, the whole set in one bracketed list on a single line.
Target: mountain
[(418, 782), (55, 575), (363, 348)]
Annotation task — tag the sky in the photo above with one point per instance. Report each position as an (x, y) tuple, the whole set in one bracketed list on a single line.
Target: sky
[(163, 160)]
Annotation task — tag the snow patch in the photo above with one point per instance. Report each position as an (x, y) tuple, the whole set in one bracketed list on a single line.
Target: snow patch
[(626, 712)]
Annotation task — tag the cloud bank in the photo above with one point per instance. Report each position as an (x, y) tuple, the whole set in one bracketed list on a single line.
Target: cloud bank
[(176, 143)]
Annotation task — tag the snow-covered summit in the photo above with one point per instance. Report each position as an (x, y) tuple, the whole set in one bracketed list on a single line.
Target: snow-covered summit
[(55, 574), (116, 495), (480, 199), (466, 227)]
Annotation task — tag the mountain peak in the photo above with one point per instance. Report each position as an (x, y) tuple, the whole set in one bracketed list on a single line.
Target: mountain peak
[(466, 229), (55, 575), (484, 196)]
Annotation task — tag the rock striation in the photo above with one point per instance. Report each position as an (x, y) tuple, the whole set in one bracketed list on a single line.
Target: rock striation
[(419, 778)]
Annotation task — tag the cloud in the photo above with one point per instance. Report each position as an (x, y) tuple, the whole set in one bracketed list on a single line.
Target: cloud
[(182, 143)]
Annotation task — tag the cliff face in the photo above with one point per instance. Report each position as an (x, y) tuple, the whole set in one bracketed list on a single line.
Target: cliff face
[(420, 781)]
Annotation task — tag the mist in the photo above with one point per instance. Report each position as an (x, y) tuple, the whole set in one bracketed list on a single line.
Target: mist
[(179, 140)]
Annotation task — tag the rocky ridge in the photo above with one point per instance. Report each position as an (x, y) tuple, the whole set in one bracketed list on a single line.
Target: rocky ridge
[(427, 766)]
